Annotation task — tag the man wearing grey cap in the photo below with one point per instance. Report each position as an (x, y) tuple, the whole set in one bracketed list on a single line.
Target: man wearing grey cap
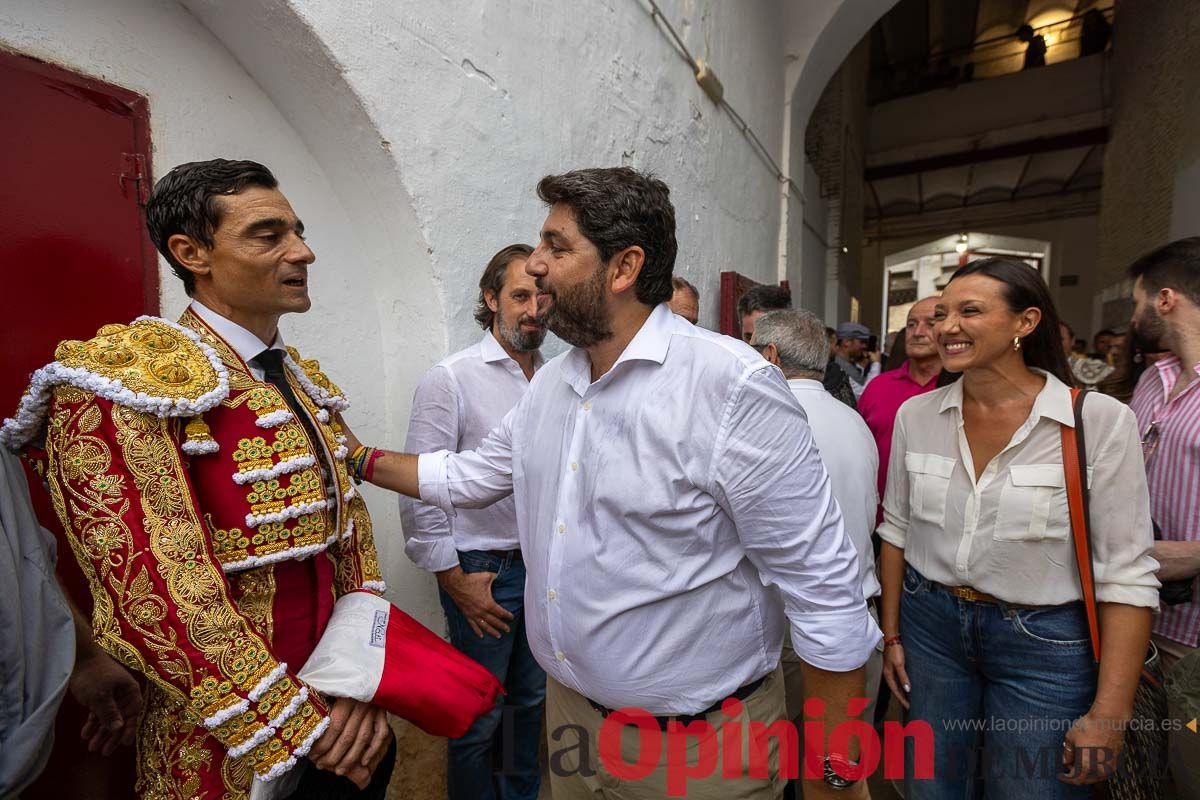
[(851, 347)]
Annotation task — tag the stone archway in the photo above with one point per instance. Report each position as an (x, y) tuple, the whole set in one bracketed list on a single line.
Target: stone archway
[(277, 47), (819, 36)]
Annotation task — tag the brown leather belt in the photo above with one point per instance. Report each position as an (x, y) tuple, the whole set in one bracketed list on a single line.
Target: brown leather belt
[(972, 595), (976, 596)]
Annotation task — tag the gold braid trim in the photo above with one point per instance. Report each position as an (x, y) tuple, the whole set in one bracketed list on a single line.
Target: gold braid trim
[(357, 559), (151, 365), (191, 642), (171, 758)]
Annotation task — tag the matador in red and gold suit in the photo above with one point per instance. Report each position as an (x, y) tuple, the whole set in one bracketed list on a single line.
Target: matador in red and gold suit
[(216, 530)]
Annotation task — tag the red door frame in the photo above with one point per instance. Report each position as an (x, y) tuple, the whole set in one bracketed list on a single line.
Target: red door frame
[(70, 766), (139, 177)]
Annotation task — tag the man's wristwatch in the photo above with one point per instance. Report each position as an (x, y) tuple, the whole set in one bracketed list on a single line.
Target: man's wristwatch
[(832, 779)]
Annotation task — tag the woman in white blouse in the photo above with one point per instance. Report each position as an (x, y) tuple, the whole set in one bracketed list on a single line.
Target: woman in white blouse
[(986, 636)]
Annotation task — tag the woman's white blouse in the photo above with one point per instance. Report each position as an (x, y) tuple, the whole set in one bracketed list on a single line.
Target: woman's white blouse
[(1009, 535)]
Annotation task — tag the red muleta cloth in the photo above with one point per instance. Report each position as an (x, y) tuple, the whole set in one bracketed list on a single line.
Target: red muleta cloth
[(374, 652)]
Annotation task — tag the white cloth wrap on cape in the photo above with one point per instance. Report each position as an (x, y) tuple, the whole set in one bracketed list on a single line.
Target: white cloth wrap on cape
[(347, 662)]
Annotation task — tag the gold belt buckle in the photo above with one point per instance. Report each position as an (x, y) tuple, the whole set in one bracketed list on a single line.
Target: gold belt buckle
[(967, 593)]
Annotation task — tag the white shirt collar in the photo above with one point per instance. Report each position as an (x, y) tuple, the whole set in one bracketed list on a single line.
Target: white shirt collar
[(650, 343), (243, 342), (490, 350), (806, 384), (1052, 402)]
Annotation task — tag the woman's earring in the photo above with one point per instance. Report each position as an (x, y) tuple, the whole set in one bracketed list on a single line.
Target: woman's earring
[(1016, 343)]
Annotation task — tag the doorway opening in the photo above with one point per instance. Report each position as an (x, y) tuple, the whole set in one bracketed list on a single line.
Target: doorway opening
[(924, 270)]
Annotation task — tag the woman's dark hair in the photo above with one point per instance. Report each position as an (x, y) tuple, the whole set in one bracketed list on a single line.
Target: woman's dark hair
[(185, 200), (1024, 288), (493, 278), (618, 207)]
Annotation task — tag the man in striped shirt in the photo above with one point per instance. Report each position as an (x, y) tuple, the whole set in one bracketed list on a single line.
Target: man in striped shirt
[(1166, 316)]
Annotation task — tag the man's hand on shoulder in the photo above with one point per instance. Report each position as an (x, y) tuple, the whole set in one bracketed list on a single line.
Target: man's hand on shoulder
[(355, 741), (352, 442), (472, 593)]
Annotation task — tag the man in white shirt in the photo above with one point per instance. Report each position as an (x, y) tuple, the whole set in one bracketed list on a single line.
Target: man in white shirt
[(477, 556), (795, 341), (664, 478)]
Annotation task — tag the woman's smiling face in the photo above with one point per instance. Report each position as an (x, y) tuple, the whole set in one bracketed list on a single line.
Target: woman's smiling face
[(973, 324)]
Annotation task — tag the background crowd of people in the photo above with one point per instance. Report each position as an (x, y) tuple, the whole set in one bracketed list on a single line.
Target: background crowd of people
[(981, 594), (710, 530)]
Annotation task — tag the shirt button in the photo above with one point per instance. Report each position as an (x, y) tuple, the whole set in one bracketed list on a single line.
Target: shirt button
[(574, 466), (562, 527), (552, 594), (560, 655), (587, 405)]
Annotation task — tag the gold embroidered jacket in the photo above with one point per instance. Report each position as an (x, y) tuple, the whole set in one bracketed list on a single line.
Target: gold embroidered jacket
[(182, 482)]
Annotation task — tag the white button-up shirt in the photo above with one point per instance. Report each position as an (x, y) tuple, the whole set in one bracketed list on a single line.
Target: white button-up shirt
[(243, 342), (848, 451), (247, 345), (459, 401), (1009, 533), (654, 507)]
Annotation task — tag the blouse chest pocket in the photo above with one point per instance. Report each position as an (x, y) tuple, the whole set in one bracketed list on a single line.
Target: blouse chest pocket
[(1033, 504), (928, 484)]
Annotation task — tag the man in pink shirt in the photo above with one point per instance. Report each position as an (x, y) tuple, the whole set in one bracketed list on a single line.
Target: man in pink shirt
[(1166, 294), (883, 396)]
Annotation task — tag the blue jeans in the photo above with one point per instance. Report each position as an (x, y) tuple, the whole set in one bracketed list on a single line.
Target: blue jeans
[(1000, 687), (498, 756)]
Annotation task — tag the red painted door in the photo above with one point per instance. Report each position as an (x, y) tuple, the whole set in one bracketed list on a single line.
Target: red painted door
[(733, 286), (74, 256)]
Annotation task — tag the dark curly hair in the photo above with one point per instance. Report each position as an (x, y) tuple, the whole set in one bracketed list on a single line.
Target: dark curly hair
[(619, 207), (763, 298), (185, 201), (1175, 265)]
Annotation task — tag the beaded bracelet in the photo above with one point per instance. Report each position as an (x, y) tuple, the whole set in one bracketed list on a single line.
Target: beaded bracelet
[(357, 461), (369, 469), (891, 640)]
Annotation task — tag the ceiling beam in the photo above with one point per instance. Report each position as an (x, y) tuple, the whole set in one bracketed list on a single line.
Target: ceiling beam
[(1021, 177), (1075, 172), (875, 197), (984, 215), (1048, 144)]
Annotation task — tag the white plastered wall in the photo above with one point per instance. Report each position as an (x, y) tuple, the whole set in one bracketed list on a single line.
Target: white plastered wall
[(479, 99), (820, 36)]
